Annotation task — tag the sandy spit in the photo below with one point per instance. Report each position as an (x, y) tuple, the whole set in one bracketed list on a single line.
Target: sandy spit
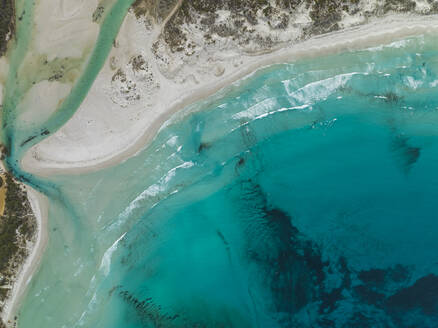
[(39, 204), (381, 31)]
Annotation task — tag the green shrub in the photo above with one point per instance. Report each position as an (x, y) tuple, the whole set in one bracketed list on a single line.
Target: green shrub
[(7, 23)]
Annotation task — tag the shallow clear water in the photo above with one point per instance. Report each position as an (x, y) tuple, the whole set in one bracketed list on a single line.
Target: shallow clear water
[(303, 196), (19, 136)]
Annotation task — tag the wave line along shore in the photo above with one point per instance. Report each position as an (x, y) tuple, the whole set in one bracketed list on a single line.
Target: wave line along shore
[(378, 32), (381, 31)]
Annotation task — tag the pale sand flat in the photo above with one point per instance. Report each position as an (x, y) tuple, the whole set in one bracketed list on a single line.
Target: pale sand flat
[(102, 133)]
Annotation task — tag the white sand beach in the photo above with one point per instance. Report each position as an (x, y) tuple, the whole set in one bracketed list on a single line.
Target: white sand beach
[(39, 205), (107, 129)]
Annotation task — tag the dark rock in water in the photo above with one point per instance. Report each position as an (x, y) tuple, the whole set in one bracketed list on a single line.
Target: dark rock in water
[(293, 269), (362, 320), (399, 274), (412, 154), (150, 314), (392, 97), (422, 295), (45, 132), (27, 140), (375, 277), (406, 155), (329, 299), (368, 295), (298, 277), (203, 146), (222, 237)]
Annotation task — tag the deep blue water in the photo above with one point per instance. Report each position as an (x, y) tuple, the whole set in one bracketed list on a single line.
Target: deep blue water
[(302, 196)]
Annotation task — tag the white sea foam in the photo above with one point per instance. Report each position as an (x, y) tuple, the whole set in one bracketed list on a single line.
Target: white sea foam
[(283, 109), (317, 90), (303, 96), (257, 109), (434, 83), (172, 141), (412, 83), (395, 44), (154, 189), (106, 259), (90, 308)]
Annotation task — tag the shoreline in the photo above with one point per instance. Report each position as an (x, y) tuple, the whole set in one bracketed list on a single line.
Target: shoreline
[(378, 32), (39, 204)]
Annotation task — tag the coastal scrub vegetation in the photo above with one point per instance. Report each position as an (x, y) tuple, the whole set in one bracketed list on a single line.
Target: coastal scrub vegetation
[(7, 23), (17, 229), (243, 15)]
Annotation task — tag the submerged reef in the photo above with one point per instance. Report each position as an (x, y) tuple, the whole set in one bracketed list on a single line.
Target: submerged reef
[(303, 286), (289, 276)]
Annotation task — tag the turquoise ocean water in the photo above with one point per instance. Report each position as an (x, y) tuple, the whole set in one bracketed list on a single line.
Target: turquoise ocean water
[(302, 196)]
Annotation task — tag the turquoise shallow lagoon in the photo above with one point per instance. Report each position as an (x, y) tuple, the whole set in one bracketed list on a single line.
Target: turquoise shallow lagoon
[(302, 196)]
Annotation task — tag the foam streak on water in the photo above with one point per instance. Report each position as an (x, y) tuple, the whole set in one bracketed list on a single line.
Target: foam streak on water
[(304, 196)]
